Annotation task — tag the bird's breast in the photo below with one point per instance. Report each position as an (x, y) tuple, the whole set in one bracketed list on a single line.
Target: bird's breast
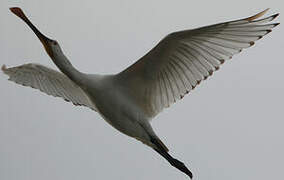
[(117, 107)]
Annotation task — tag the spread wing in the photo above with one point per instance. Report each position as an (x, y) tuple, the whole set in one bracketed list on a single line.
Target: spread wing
[(48, 81), (184, 59)]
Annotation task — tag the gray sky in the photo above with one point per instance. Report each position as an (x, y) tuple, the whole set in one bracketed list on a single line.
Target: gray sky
[(230, 127)]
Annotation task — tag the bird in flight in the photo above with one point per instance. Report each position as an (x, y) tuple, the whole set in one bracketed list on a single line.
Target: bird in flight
[(130, 99)]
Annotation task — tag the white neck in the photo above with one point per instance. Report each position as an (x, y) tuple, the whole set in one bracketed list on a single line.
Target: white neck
[(66, 67)]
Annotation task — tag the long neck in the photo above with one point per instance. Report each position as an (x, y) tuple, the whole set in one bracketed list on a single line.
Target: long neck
[(61, 61)]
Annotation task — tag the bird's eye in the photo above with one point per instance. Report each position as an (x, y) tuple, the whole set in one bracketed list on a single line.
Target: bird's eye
[(54, 43)]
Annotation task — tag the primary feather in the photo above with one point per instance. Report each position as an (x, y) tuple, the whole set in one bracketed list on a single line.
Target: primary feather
[(183, 59), (48, 81)]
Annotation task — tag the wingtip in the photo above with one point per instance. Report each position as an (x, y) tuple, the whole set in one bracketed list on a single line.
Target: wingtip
[(276, 15), (257, 15)]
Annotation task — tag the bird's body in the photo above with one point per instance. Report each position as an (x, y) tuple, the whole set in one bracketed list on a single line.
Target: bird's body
[(108, 94), (130, 99)]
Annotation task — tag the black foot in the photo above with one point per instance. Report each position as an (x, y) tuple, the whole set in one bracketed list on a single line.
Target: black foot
[(174, 162), (180, 165)]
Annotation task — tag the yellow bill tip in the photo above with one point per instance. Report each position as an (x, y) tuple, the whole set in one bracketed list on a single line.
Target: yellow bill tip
[(17, 11), (3, 68)]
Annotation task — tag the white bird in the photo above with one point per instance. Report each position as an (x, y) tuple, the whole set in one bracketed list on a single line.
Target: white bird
[(130, 99)]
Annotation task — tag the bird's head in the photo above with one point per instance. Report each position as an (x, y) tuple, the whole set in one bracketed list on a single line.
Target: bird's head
[(51, 46)]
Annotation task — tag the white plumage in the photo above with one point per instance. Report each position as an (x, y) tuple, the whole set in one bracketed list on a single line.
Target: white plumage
[(48, 81), (130, 99)]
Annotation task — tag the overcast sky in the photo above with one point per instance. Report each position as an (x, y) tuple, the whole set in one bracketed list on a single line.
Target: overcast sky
[(229, 128)]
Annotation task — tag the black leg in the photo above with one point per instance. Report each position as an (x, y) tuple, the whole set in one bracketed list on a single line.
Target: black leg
[(174, 162)]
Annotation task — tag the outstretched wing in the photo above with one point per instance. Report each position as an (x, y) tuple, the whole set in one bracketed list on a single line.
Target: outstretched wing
[(183, 59), (48, 81)]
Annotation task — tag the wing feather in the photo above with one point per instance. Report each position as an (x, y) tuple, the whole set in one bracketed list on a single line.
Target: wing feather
[(48, 81), (183, 59)]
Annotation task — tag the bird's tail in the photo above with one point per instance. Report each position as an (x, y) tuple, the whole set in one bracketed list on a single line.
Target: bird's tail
[(174, 162)]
